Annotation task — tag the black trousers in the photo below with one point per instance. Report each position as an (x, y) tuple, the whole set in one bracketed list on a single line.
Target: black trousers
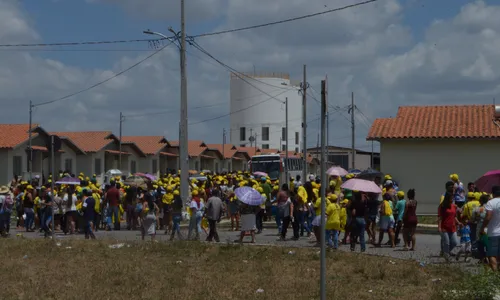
[(296, 225), (286, 222), (258, 220), (212, 225)]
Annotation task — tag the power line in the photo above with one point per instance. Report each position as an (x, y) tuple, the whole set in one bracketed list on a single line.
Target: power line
[(171, 111), (104, 81), (84, 43), (74, 50), (195, 36), (237, 73), (236, 111), (285, 20)]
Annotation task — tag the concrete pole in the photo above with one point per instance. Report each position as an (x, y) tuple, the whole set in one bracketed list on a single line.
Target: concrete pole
[(183, 145), (323, 193)]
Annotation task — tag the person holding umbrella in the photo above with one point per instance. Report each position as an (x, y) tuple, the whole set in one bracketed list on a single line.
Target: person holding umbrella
[(250, 199)]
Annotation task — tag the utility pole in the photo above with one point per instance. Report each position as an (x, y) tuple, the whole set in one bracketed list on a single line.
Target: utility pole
[(286, 141), (52, 192), (255, 142), (323, 193), (223, 146), (183, 145), (327, 126), (304, 126), (30, 158), (327, 138), (120, 146), (353, 127)]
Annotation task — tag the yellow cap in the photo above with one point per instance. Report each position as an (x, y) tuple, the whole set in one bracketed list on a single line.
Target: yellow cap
[(195, 193), (176, 192), (401, 194), (470, 195), (29, 187)]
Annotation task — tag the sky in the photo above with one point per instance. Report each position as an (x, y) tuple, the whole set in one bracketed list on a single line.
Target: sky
[(389, 53)]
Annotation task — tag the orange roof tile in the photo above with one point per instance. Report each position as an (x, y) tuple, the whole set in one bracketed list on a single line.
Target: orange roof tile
[(251, 151), (269, 151), (195, 147), (148, 144), (88, 141), (434, 122), (229, 150), (12, 135)]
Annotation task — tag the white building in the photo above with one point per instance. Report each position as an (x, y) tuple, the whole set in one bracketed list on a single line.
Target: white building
[(258, 111), (423, 145)]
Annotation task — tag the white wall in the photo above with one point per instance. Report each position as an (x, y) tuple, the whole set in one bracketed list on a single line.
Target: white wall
[(270, 113), (425, 165), (67, 154)]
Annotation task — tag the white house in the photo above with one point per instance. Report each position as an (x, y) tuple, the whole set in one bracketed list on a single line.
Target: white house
[(423, 145), (15, 152), (155, 149)]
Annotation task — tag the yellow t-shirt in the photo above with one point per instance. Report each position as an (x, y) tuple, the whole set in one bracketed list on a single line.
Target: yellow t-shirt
[(333, 220), (469, 207)]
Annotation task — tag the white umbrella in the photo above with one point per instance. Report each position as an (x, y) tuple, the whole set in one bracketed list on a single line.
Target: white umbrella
[(337, 171)]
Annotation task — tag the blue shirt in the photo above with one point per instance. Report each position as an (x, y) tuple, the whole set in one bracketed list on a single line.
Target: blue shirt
[(465, 234), (400, 208)]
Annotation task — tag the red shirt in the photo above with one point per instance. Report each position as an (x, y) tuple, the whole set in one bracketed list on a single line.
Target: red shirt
[(447, 216), (113, 196)]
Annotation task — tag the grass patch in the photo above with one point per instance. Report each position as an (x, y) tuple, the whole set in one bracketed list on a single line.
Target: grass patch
[(429, 220), (38, 269)]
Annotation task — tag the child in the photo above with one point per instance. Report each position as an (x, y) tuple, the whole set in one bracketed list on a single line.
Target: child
[(465, 242)]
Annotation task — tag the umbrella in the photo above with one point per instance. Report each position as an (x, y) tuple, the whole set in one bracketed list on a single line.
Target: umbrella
[(69, 181), (248, 195), (370, 174), (354, 171), (336, 171), (488, 180), (136, 181), (260, 174), (147, 176), (362, 185)]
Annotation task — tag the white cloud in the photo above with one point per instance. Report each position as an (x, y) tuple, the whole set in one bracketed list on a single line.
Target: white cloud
[(368, 50)]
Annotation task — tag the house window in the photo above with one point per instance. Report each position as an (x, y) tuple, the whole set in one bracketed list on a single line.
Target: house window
[(17, 165), (283, 133), (97, 166), (155, 166), (265, 146), (283, 147), (265, 133), (242, 145), (296, 138), (68, 165), (216, 168), (196, 166), (133, 167), (242, 134), (296, 149)]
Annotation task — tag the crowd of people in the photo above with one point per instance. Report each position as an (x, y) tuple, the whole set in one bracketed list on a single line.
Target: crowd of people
[(470, 220), (463, 217)]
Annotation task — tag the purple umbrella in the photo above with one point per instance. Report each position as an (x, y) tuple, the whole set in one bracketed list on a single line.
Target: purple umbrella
[(69, 181), (148, 176), (362, 186), (248, 195), (488, 180)]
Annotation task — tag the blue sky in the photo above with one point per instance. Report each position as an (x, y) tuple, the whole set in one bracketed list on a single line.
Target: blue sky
[(378, 51)]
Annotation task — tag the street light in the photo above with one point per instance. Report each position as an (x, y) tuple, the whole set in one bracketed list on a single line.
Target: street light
[(183, 124)]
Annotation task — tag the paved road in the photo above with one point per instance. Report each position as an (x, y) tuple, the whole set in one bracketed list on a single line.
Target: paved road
[(428, 246)]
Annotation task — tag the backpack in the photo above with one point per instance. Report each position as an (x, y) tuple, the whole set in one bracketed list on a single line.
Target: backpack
[(387, 211), (284, 209)]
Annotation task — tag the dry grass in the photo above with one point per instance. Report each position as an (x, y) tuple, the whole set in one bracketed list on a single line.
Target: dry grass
[(38, 269), (429, 220)]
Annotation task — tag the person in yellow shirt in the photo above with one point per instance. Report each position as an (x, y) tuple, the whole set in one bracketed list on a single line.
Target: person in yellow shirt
[(468, 208), (333, 222), (97, 217), (261, 211)]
